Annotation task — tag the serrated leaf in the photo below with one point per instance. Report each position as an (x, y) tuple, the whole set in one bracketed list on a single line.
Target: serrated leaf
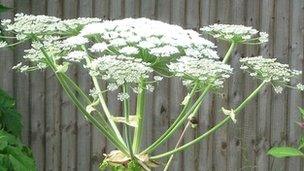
[(281, 152)]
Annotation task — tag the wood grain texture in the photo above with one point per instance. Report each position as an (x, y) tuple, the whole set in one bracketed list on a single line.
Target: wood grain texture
[(62, 140)]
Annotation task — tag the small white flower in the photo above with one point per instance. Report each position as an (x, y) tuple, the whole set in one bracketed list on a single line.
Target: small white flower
[(300, 87), (17, 66), (112, 87), (150, 87), (3, 44), (99, 47), (129, 50), (75, 56), (75, 41), (122, 96), (164, 51), (278, 89), (158, 78)]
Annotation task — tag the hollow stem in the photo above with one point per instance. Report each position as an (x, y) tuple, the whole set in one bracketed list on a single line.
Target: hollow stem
[(126, 107), (103, 103), (140, 110), (216, 127)]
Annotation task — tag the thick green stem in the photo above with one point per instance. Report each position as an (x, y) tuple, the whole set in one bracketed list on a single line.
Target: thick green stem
[(218, 126), (126, 107), (103, 103), (178, 122), (108, 133), (140, 110)]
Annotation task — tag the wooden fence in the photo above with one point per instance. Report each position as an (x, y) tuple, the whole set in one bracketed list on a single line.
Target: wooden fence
[(62, 140)]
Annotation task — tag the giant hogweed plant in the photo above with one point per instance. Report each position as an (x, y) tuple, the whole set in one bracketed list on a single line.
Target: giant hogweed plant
[(132, 56)]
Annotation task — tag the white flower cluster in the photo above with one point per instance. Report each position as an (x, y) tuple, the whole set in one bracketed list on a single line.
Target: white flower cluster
[(118, 70), (2, 44), (236, 33), (203, 71), (131, 36), (35, 56), (269, 70), (25, 25)]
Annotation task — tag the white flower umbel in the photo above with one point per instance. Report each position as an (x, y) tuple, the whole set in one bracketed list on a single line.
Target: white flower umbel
[(236, 33), (203, 71), (24, 26), (269, 70), (119, 69), (75, 56), (158, 39)]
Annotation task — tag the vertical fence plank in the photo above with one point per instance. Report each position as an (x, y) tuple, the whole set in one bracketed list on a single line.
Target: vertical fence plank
[(176, 93), (83, 126), (250, 112), (264, 101), (220, 137), (147, 9), (296, 61), (236, 94), (161, 102), (7, 57), (52, 112), (98, 144), (68, 118), (192, 22), (37, 93), (279, 101), (204, 149), (22, 81)]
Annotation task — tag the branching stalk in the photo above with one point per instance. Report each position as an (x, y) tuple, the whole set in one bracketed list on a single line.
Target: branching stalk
[(225, 60), (216, 127)]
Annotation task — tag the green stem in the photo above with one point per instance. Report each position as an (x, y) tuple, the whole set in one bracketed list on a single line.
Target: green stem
[(140, 109), (103, 103), (229, 52), (77, 88), (73, 98), (126, 107), (177, 144), (225, 60), (218, 126), (178, 122)]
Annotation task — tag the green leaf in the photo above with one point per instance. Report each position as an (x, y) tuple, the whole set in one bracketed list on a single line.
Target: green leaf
[(3, 8), (281, 152), (10, 119), (301, 112)]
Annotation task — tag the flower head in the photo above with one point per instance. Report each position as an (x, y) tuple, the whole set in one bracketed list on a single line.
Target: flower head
[(269, 70), (236, 33), (119, 69), (158, 39), (203, 71)]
